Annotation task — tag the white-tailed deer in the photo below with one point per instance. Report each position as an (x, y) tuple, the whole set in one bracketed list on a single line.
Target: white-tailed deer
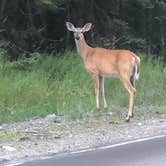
[(101, 62)]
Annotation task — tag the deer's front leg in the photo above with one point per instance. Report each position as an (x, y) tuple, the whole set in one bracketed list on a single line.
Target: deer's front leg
[(95, 78)]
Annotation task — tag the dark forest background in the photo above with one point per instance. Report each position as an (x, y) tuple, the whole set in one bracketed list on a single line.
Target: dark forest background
[(28, 26)]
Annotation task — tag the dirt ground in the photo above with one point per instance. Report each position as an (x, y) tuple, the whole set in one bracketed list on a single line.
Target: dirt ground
[(53, 134)]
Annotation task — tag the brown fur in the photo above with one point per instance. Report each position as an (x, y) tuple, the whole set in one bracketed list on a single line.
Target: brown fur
[(101, 62)]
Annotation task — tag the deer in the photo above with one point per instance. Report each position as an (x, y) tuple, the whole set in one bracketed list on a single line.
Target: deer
[(101, 63)]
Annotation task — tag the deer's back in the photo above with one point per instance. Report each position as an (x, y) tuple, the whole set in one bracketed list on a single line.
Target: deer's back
[(109, 62)]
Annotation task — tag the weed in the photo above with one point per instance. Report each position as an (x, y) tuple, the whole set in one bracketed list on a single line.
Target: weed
[(59, 84)]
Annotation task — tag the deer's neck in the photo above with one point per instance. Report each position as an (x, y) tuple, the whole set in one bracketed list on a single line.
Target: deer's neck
[(82, 48)]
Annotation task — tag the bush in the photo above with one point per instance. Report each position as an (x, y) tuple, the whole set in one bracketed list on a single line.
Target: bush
[(61, 85)]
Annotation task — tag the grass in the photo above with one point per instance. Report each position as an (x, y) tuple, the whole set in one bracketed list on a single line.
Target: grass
[(59, 84), (9, 134)]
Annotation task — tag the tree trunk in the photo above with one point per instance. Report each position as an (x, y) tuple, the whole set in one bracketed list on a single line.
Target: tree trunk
[(30, 16), (148, 31), (3, 4), (162, 39), (68, 18)]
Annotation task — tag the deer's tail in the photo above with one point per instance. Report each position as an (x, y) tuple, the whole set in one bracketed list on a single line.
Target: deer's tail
[(136, 68)]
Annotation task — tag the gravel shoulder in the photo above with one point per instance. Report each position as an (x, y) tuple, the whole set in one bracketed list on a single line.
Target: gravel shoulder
[(56, 134)]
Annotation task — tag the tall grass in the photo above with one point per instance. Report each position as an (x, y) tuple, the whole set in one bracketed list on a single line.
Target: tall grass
[(59, 84)]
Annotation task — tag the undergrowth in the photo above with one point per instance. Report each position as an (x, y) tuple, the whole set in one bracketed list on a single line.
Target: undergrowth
[(59, 84)]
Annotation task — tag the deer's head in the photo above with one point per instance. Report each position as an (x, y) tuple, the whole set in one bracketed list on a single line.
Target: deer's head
[(78, 32)]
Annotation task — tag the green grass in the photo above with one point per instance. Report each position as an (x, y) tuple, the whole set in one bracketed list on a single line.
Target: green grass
[(59, 84), (10, 134)]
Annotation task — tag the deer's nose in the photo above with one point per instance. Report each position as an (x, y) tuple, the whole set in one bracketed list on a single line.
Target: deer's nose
[(77, 37)]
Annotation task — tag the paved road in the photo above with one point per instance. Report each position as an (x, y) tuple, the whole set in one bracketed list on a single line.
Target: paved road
[(145, 152)]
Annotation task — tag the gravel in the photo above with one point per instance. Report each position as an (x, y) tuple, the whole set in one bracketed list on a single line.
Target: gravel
[(57, 134)]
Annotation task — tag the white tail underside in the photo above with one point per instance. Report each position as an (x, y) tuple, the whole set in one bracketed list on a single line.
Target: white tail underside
[(136, 76)]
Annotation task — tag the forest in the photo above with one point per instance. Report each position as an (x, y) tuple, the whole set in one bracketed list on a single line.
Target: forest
[(42, 74), (29, 26)]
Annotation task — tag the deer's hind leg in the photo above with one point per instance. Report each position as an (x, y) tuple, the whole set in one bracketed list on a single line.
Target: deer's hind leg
[(130, 88)]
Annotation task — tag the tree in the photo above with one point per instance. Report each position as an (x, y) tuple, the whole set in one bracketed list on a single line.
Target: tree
[(29, 26)]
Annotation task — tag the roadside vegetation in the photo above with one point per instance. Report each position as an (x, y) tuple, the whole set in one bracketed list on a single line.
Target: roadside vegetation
[(59, 84)]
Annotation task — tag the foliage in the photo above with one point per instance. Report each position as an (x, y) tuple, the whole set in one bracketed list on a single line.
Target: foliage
[(59, 84), (29, 26)]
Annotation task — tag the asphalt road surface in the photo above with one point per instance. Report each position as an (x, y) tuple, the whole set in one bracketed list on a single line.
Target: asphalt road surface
[(143, 152)]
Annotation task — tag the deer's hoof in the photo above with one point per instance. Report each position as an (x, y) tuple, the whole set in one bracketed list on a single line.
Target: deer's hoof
[(127, 119), (132, 116), (105, 108)]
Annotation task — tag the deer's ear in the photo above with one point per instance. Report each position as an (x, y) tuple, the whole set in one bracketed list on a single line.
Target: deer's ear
[(70, 26), (87, 27)]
